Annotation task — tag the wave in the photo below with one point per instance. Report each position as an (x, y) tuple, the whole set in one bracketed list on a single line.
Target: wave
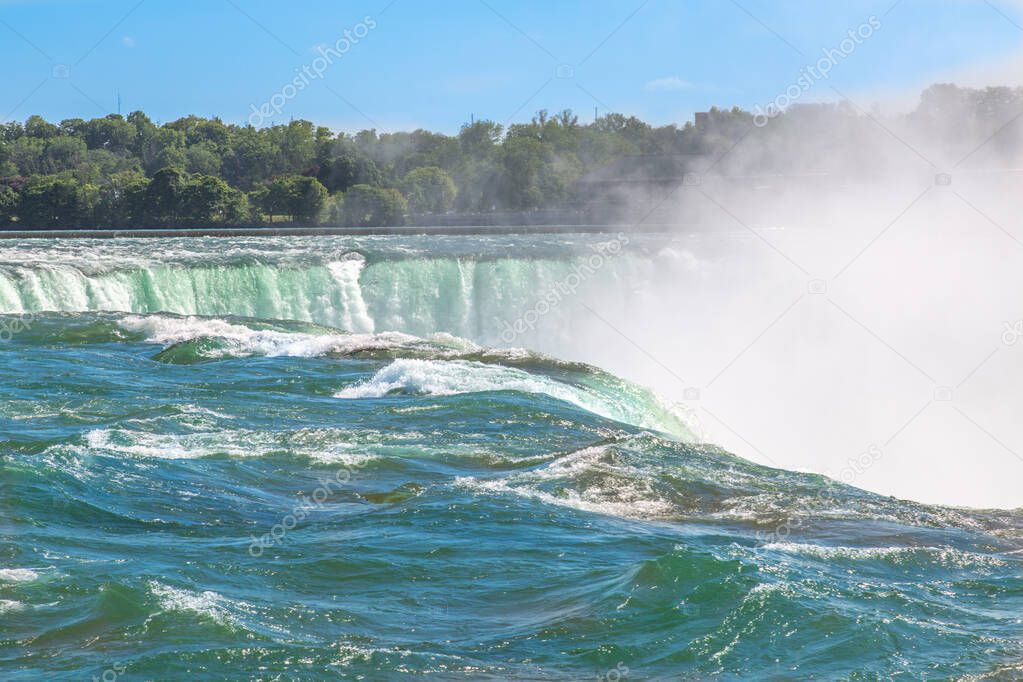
[(638, 476), (619, 478), (10, 606), (194, 338), (323, 447), (457, 377), (17, 575), (439, 365), (206, 604), (946, 557), (645, 477)]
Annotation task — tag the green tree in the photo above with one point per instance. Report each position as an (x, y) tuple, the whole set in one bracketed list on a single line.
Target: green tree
[(207, 200), (54, 201), (121, 200), (347, 167), (429, 190), (9, 202), (479, 139), (11, 131), (164, 198), (296, 144), (171, 157), (100, 164), (366, 206), (249, 160), (297, 196), (197, 131), (522, 159), (334, 211), (275, 199), (38, 127), (112, 133), (62, 153), (27, 154), (161, 148), (263, 208), (308, 199), (202, 159)]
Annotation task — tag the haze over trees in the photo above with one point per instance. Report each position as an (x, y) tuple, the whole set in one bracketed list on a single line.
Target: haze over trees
[(129, 172)]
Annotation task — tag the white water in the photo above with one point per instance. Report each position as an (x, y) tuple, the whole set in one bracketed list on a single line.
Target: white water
[(238, 339), (724, 323), (432, 377), (463, 296)]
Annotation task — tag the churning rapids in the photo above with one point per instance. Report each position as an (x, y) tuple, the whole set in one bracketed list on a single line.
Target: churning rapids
[(329, 458)]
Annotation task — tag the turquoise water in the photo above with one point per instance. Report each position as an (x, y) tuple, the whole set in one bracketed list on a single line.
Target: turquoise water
[(316, 459)]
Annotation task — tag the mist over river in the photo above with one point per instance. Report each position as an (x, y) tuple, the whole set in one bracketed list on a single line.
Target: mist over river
[(617, 456)]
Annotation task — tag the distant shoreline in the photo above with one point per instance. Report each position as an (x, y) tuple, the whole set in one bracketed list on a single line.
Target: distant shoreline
[(475, 230)]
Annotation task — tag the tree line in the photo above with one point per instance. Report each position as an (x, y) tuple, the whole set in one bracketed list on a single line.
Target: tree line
[(129, 172)]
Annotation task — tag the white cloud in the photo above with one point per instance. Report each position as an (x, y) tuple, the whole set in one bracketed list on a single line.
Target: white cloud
[(670, 83)]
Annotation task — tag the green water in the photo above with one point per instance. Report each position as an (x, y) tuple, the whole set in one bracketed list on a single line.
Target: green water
[(285, 459)]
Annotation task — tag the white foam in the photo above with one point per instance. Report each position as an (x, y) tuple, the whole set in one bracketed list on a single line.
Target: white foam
[(630, 502), (204, 412), (346, 274), (350, 653), (232, 443), (171, 446), (17, 575), (208, 603), (239, 339), (620, 490), (946, 556), (6, 606), (340, 453), (434, 377)]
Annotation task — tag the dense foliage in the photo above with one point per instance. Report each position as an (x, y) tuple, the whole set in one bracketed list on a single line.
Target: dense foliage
[(129, 172)]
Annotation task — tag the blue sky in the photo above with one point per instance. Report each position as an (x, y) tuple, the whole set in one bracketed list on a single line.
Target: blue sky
[(433, 64)]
